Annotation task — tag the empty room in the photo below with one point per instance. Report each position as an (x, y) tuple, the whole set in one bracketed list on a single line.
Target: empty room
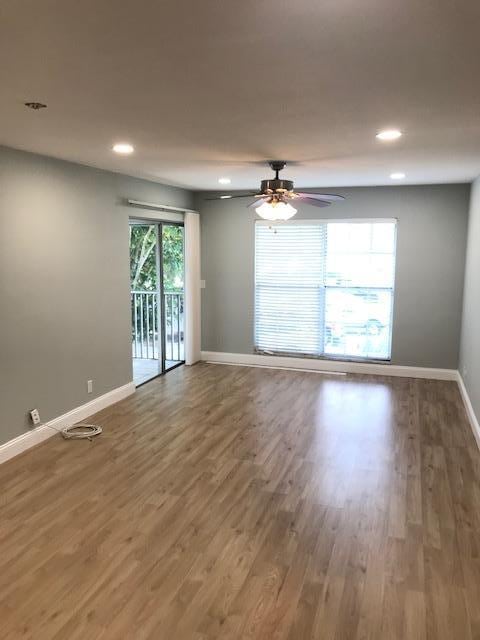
[(239, 320)]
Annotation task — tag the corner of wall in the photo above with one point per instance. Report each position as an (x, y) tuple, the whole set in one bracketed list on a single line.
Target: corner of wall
[(469, 353)]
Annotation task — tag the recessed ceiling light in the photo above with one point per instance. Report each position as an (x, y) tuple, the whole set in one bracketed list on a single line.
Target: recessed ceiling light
[(224, 180), (123, 148), (389, 134), (398, 175), (225, 197)]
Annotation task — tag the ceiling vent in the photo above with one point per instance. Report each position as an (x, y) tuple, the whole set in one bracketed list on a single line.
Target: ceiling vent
[(35, 105)]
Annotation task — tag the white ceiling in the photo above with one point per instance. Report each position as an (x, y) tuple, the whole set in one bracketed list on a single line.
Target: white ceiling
[(208, 88)]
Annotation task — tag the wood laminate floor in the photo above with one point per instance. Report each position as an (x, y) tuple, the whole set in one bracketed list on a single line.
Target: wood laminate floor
[(233, 502)]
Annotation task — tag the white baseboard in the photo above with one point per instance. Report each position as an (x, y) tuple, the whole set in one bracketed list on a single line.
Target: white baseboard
[(328, 366), (37, 435), (469, 407)]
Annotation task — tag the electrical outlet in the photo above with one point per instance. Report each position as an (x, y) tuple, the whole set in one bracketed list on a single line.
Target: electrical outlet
[(464, 371), (89, 386), (35, 416)]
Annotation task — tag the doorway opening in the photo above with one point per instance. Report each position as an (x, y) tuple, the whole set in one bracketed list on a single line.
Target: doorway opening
[(157, 266)]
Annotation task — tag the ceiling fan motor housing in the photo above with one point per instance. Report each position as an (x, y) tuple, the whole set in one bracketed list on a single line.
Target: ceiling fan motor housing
[(276, 186)]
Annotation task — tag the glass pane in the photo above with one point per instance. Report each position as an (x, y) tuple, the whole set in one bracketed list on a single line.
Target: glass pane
[(144, 279), (172, 253), (361, 237), (143, 260), (173, 292), (358, 322), (349, 237), (383, 237), (360, 254), (360, 270)]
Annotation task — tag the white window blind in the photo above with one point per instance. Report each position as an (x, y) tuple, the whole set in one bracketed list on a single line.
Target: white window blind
[(325, 288), (289, 292)]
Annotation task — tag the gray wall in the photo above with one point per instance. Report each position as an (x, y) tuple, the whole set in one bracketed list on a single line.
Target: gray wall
[(470, 345), (64, 283), (432, 227)]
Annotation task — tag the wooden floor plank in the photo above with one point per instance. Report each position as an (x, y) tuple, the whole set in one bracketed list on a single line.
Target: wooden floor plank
[(235, 503)]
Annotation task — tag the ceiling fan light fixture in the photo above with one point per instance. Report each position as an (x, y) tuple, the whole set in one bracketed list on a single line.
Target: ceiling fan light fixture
[(123, 148), (272, 200), (389, 134), (276, 210)]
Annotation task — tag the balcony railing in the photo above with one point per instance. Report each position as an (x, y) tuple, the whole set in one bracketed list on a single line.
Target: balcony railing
[(146, 336)]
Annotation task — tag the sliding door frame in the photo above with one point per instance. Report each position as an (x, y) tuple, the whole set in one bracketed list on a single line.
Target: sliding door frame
[(161, 308), (162, 296)]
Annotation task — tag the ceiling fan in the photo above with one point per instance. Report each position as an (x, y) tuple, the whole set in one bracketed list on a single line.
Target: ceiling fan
[(276, 195)]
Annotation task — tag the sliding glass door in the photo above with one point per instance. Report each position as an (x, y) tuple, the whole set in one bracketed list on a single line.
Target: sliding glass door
[(173, 299), (157, 297), (145, 301)]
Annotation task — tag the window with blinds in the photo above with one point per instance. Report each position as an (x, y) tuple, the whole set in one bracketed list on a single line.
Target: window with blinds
[(325, 288)]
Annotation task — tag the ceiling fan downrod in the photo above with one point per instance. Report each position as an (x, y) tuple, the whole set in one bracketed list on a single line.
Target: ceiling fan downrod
[(276, 185)]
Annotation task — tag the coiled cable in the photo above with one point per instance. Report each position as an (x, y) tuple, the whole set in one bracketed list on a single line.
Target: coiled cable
[(81, 431)]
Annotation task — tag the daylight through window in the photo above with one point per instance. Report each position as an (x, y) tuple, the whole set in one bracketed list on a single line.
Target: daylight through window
[(325, 288)]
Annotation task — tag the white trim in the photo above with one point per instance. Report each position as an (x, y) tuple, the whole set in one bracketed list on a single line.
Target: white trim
[(192, 312), (157, 216), (469, 408), (44, 431), (153, 205), (328, 366), (266, 366)]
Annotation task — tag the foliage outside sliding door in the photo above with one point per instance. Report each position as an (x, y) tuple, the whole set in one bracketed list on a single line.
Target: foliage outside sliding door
[(157, 296), (143, 261)]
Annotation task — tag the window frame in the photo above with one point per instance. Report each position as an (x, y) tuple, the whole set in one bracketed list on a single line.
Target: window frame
[(323, 355)]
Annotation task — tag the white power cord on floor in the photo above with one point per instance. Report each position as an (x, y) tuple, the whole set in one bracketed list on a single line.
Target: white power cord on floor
[(79, 431), (88, 431)]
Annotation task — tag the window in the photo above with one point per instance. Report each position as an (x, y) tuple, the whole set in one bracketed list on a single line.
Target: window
[(325, 288)]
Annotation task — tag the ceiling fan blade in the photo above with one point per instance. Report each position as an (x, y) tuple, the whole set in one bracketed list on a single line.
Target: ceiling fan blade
[(326, 197), (312, 201), (257, 203), (245, 195)]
